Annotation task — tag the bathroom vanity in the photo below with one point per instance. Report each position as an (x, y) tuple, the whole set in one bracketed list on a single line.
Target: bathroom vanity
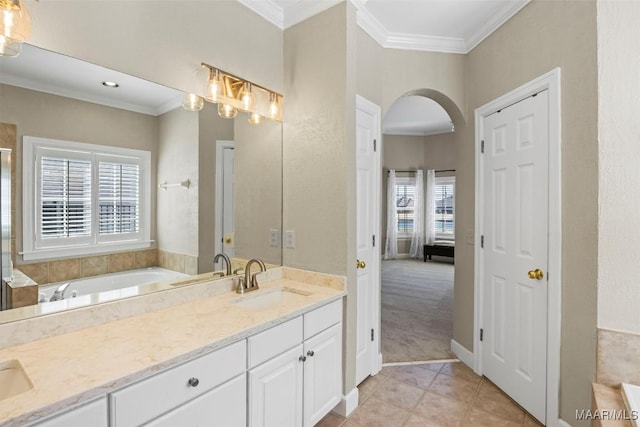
[(272, 357)]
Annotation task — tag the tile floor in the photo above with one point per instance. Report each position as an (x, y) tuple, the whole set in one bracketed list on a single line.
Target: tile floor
[(431, 395)]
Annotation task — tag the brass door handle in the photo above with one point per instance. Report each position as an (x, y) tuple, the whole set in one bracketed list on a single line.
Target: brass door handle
[(360, 264), (536, 274)]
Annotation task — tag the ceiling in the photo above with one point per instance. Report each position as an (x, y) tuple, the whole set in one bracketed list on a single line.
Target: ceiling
[(51, 72), (449, 26)]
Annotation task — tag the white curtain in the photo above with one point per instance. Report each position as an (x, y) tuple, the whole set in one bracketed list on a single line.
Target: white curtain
[(417, 238), (391, 247), (430, 207)]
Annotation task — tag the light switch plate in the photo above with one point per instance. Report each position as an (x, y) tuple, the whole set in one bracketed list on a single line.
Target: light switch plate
[(290, 239), (274, 237)]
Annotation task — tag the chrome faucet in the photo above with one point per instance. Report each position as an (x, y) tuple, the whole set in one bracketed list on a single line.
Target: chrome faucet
[(250, 282), (58, 294), (226, 260)]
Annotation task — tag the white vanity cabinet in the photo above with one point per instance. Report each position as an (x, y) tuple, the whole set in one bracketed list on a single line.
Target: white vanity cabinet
[(295, 369), (92, 414), (197, 393)]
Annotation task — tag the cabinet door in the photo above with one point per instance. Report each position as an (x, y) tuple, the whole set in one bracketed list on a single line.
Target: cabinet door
[(275, 391), (322, 374), (225, 406), (93, 414)]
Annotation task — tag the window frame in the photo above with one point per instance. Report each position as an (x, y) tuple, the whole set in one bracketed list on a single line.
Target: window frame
[(36, 248), (405, 181), (444, 180)]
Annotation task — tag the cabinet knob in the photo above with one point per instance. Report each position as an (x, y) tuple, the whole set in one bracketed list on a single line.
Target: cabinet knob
[(193, 382), (310, 353), (302, 358)]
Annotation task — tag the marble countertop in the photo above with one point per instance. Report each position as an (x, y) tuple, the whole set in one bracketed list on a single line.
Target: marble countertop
[(78, 366), (21, 280), (607, 398)]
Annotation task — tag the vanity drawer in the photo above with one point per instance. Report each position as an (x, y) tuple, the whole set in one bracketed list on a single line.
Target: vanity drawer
[(321, 318), (149, 398), (273, 341)]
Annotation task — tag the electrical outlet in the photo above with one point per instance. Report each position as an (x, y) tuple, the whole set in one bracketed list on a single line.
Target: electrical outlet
[(290, 239), (274, 237)]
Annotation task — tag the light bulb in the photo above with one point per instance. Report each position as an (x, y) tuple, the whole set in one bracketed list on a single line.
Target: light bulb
[(247, 98), (255, 118), (15, 26), (215, 86), (192, 102), (274, 109), (227, 111)]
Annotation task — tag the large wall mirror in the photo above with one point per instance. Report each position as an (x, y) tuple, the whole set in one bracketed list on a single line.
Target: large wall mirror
[(215, 184)]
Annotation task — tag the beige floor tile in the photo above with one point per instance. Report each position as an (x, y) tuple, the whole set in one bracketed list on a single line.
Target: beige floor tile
[(460, 370), (368, 386), (414, 375), (350, 423), (432, 366), (331, 420), (499, 405), (529, 421), (387, 371), (444, 410), (377, 413), (453, 387), (416, 421), (482, 419), (398, 393)]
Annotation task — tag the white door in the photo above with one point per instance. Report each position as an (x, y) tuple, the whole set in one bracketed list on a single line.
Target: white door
[(275, 391), (367, 210), (224, 228), (322, 374), (515, 234)]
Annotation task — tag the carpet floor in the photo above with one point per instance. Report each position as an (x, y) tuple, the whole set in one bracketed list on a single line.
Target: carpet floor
[(417, 310)]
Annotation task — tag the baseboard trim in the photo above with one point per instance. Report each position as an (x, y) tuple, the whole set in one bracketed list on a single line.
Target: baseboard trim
[(563, 423), (347, 404), (463, 354)]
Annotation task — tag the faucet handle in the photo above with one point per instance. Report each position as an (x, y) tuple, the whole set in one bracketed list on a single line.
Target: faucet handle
[(254, 279), (239, 283)]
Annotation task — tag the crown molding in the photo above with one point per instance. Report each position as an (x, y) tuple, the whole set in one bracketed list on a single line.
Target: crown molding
[(303, 10), (493, 24), (268, 10)]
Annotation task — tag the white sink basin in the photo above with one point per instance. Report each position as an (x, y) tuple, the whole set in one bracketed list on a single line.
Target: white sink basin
[(631, 394), (13, 379), (269, 298)]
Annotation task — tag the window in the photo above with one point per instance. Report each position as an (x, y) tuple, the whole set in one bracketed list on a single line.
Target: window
[(83, 198), (405, 207), (445, 190)]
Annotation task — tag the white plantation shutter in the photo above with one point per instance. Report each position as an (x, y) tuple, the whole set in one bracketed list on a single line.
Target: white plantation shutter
[(445, 207), (119, 198), (65, 197), (405, 205)]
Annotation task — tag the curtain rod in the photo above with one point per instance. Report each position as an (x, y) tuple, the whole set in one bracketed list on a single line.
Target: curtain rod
[(414, 171)]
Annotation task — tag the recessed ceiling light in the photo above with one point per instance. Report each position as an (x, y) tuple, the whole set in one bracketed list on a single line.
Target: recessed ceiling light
[(110, 84)]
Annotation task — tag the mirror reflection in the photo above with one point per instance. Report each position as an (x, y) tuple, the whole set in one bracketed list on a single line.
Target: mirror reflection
[(212, 186)]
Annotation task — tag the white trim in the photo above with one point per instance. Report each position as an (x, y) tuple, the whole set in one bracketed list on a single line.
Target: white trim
[(420, 362), (217, 225), (552, 82), (348, 403), (302, 10), (369, 107), (563, 423), (267, 9), (463, 354), (492, 25)]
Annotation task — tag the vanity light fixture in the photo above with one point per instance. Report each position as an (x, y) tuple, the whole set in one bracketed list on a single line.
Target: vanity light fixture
[(233, 93), (110, 84), (15, 26), (192, 102)]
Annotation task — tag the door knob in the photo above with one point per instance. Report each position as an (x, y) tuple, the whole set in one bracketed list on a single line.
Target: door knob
[(360, 264), (536, 274), (227, 240)]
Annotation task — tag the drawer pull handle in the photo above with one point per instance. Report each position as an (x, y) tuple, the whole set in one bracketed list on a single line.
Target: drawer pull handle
[(310, 353), (302, 358), (193, 382)]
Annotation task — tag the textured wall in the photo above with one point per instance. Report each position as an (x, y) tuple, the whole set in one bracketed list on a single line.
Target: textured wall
[(52, 116), (542, 36), (178, 141), (619, 175)]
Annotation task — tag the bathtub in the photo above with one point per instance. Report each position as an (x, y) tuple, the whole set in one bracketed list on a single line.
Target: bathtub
[(108, 287)]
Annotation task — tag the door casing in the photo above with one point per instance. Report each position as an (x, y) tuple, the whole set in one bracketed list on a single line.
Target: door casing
[(550, 81)]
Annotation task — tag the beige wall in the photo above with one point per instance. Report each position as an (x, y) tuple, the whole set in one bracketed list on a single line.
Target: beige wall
[(619, 175), (52, 116), (177, 207), (542, 36), (436, 152), (211, 128), (318, 152)]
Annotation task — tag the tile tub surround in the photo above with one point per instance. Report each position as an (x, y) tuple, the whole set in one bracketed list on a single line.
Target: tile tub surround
[(607, 398), (138, 347), (178, 262), (75, 268), (22, 290), (618, 358)]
